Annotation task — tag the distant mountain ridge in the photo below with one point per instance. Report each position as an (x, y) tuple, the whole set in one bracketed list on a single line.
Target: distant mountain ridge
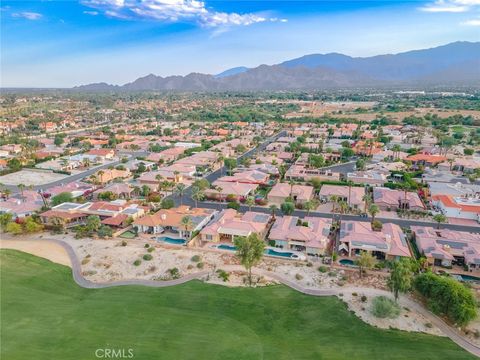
[(452, 64)]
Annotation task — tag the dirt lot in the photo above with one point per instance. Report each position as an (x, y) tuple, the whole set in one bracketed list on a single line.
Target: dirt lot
[(31, 177)]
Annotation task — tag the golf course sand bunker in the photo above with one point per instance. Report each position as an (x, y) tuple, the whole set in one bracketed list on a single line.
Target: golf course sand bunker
[(43, 248)]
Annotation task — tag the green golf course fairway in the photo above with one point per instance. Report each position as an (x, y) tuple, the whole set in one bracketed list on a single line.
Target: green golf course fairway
[(45, 315)]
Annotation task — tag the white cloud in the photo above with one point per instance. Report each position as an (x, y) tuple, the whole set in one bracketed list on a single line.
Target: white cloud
[(173, 11), (472, 22), (93, 13), (27, 15), (451, 6)]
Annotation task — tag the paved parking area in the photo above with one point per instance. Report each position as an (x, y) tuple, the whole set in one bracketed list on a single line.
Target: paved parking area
[(30, 177)]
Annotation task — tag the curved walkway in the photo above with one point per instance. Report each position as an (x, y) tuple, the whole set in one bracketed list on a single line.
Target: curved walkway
[(446, 329)]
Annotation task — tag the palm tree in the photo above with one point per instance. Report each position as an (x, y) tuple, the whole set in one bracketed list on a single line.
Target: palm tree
[(350, 183), (176, 173), (366, 201), (291, 183), (334, 199), (396, 151), (187, 223), (197, 195), (21, 187), (343, 207), (250, 202), (180, 190), (273, 208), (100, 176), (373, 210), (159, 178)]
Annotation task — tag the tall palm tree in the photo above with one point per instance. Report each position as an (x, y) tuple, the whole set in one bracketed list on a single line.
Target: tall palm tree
[(334, 200), (187, 223), (100, 176), (197, 195), (366, 201), (373, 210), (159, 178), (180, 190), (176, 173), (250, 202), (350, 183), (273, 208), (21, 187), (343, 207)]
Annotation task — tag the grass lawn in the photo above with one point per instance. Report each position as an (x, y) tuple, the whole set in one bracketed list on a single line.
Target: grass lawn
[(128, 235), (45, 315)]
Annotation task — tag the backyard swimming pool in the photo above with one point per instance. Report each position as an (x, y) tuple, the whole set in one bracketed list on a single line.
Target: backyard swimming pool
[(268, 252), (172, 240), (272, 252), (226, 247), (467, 278), (347, 262)]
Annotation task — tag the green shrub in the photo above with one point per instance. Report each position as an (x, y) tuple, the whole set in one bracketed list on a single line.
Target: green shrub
[(447, 296), (174, 273), (200, 265), (322, 269), (222, 274), (151, 249), (363, 298), (137, 262), (383, 307), (195, 258), (147, 246), (124, 243), (298, 277), (147, 257)]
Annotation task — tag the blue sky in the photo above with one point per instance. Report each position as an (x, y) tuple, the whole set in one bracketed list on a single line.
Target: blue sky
[(66, 43)]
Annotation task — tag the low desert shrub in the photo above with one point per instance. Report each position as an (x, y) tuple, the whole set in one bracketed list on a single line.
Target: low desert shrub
[(323, 269), (195, 258), (147, 257), (383, 307), (200, 265), (137, 262), (222, 274)]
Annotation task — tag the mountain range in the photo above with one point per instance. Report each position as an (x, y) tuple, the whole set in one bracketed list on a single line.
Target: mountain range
[(454, 64)]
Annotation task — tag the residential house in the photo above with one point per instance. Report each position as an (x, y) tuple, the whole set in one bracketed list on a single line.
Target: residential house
[(458, 207), (445, 247), (304, 173), (166, 156), (391, 199), (425, 160), (102, 154), (222, 189), (105, 176), (309, 235), (171, 220), (229, 223), (356, 236), (22, 205), (247, 177), (300, 194), (368, 177), (352, 195)]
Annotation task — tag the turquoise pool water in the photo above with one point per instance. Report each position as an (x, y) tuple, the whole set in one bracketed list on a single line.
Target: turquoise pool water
[(278, 253), (226, 247), (269, 252), (347, 262), (172, 240), (468, 278)]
